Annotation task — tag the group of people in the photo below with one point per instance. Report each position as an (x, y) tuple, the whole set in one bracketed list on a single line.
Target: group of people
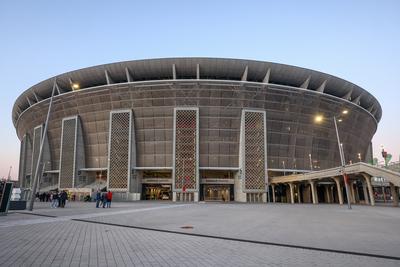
[(59, 199), (44, 197), (103, 199)]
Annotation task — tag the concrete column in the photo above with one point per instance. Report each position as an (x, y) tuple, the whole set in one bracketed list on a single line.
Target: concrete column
[(365, 192), (395, 195), (196, 196), (339, 190), (370, 190), (240, 196), (291, 193), (327, 194), (273, 193), (174, 196), (298, 193), (314, 192)]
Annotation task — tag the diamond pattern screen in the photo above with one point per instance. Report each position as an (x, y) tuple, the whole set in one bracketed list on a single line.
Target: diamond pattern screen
[(254, 151), (185, 149), (68, 146), (119, 144)]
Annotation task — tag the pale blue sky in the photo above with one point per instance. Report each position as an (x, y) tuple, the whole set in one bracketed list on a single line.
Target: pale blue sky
[(355, 40)]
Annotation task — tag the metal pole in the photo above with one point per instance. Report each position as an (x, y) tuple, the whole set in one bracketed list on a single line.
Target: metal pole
[(9, 174), (284, 168), (311, 167), (343, 164), (36, 178)]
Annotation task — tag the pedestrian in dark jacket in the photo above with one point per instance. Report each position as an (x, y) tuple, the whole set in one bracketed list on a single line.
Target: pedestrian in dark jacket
[(98, 198), (54, 203), (63, 198), (103, 199)]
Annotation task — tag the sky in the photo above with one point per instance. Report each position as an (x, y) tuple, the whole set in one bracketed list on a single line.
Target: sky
[(355, 40)]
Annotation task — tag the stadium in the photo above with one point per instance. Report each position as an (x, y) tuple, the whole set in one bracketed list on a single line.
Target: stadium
[(190, 129)]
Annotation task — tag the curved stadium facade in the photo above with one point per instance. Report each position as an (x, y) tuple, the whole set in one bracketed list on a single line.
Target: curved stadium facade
[(189, 128)]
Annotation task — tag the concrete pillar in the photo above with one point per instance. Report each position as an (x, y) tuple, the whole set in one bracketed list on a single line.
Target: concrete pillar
[(395, 194), (291, 193), (273, 193), (174, 196), (240, 196), (339, 190), (196, 197), (327, 194), (364, 184), (298, 193), (370, 190), (314, 192)]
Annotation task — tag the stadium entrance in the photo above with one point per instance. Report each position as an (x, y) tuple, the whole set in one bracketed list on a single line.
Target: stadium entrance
[(156, 192), (216, 185), (157, 185), (217, 192)]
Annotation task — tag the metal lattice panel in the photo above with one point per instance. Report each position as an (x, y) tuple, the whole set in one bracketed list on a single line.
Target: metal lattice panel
[(67, 157), (37, 135), (254, 150), (185, 149), (119, 150)]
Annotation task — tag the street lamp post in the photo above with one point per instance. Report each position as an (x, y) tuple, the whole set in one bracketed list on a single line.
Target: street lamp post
[(340, 145), (311, 167)]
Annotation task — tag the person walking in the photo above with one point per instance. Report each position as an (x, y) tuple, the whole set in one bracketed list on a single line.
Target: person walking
[(109, 198), (98, 198), (54, 202), (63, 198), (104, 199)]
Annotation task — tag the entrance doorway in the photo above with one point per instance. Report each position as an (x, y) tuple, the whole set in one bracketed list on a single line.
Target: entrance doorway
[(157, 192), (216, 192)]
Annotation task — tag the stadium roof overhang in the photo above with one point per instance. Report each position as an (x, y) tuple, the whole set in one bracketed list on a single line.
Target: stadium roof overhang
[(198, 69)]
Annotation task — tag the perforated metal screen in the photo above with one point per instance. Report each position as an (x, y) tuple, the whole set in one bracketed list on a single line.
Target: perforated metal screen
[(67, 157), (22, 161), (119, 150), (186, 149), (254, 150)]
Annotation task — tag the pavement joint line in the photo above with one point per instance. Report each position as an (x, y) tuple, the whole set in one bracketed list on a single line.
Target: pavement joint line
[(355, 253), (53, 218), (34, 214)]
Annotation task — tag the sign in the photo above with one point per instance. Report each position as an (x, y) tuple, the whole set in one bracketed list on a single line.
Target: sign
[(5, 195), (156, 181), (217, 181)]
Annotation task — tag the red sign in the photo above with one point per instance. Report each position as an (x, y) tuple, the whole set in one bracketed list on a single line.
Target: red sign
[(184, 188)]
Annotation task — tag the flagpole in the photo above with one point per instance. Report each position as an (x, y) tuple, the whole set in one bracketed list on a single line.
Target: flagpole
[(39, 159)]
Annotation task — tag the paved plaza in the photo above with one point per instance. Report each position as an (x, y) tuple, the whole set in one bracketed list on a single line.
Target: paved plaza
[(201, 234)]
